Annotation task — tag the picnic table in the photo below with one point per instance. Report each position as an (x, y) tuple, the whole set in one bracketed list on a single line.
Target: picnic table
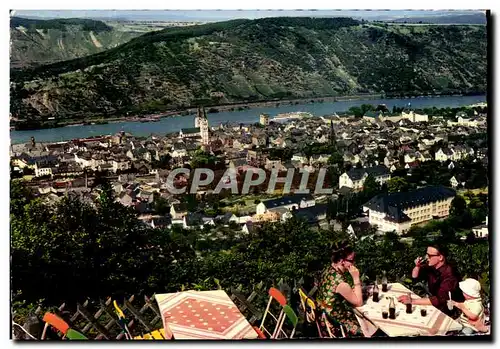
[(202, 315), (370, 317)]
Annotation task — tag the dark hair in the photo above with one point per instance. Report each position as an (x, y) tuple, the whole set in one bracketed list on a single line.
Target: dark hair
[(341, 250), (442, 249)]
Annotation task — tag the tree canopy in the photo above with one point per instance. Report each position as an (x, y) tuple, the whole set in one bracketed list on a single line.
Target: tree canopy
[(71, 251), (397, 184)]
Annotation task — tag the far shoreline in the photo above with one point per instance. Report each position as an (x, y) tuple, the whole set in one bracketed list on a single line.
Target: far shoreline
[(237, 106)]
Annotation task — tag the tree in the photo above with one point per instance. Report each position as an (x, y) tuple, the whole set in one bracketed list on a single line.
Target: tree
[(381, 154), (161, 205), (397, 184), (163, 163), (370, 186), (382, 108), (336, 160), (202, 159), (332, 209), (448, 234), (366, 108), (59, 250), (458, 206), (470, 238), (356, 111), (19, 197)]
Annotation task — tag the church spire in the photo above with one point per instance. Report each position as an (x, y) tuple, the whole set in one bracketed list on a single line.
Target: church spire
[(332, 134)]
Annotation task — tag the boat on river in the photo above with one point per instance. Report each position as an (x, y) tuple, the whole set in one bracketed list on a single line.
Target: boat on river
[(292, 116)]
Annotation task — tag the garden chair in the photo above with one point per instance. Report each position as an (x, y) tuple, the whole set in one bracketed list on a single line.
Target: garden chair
[(62, 326), (56, 322), (308, 306), (314, 313), (121, 321), (292, 317), (330, 324), (158, 334), (278, 297), (75, 335)]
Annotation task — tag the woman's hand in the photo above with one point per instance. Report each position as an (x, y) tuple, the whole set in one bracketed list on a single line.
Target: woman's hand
[(404, 299), (354, 273)]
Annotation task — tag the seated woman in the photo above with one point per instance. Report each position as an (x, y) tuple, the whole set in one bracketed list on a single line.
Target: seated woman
[(336, 294)]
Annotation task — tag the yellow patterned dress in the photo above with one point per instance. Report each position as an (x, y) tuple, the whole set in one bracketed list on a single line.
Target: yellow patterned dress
[(336, 307)]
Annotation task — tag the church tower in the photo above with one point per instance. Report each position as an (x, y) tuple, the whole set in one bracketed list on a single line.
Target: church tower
[(264, 119), (199, 116), (333, 140), (201, 121)]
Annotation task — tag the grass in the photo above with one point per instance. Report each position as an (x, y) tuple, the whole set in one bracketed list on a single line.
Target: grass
[(474, 191)]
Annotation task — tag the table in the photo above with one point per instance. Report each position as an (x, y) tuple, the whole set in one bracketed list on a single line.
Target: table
[(435, 323), (202, 315)]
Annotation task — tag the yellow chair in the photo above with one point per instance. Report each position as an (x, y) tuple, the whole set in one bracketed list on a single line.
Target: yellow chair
[(155, 335)]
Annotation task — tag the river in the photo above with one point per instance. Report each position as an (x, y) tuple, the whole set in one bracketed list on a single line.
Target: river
[(175, 123)]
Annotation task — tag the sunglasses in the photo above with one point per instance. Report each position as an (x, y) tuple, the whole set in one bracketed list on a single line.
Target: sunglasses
[(349, 260), (432, 255)]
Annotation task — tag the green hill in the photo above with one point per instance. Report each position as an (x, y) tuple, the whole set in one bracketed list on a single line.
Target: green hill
[(248, 60), (35, 42)]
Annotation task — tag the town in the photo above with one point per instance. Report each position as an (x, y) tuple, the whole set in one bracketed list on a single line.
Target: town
[(388, 147)]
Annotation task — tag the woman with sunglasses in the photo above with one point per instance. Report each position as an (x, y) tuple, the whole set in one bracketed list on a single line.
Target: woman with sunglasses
[(441, 278), (340, 291)]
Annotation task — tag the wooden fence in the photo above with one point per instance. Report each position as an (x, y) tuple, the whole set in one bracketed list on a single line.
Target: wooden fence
[(98, 321)]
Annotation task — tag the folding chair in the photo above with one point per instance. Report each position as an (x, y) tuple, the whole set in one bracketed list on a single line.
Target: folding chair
[(329, 325), (260, 334), (308, 306), (313, 313), (61, 326), (75, 335), (290, 315), (274, 294), (56, 322), (158, 334)]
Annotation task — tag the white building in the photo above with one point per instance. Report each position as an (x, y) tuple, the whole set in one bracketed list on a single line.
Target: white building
[(355, 177), (481, 231), (301, 158), (201, 122), (287, 202), (443, 155), (120, 165), (42, 171), (264, 119), (415, 117), (399, 211)]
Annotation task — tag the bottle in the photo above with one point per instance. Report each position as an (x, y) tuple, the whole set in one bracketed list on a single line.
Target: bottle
[(392, 309), (375, 291), (384, 283), (409, 305)]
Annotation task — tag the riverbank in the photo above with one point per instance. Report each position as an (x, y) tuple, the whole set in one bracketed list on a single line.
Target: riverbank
[(230, 107), (168, 124), (190, 111)]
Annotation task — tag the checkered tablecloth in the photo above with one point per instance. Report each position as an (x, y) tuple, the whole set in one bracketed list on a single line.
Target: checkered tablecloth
[(202, 315), (436, 323)]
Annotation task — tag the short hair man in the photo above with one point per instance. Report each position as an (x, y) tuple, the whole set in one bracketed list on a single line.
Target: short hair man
[(441, 277)]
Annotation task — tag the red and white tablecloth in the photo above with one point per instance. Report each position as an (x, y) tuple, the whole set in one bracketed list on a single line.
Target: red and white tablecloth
[(203, 315), (434, 323)]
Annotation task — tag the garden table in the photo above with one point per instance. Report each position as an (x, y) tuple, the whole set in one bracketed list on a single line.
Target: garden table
[(434, 323), (202, 315)]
